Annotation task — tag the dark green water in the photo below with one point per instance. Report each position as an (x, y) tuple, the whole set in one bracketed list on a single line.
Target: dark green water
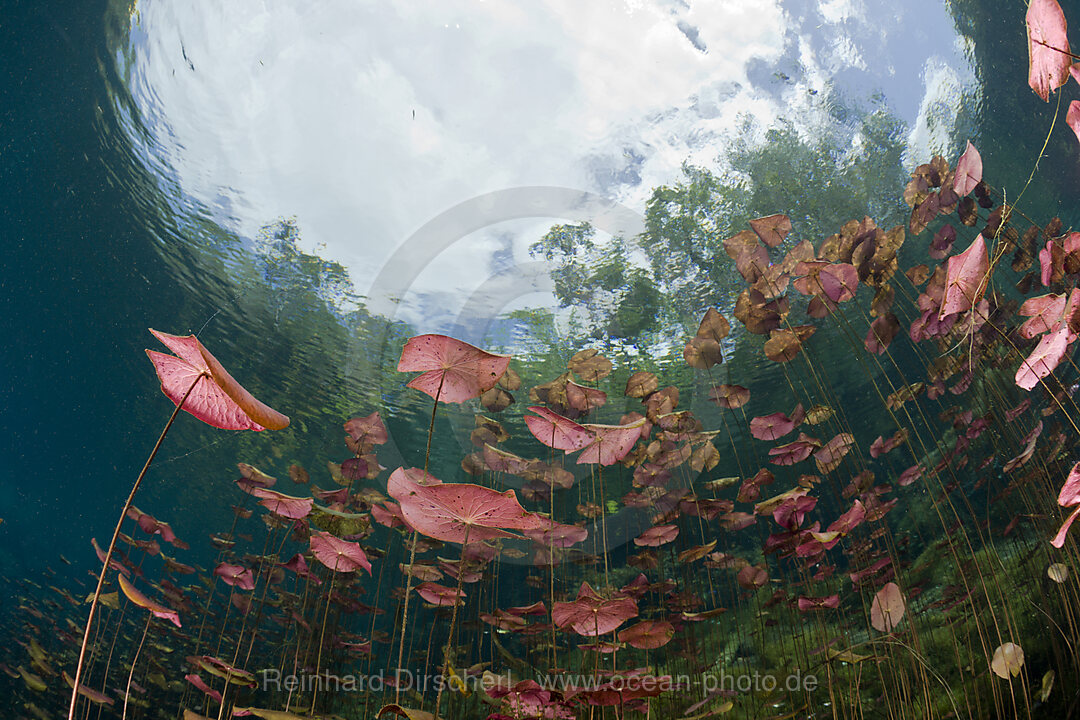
[(97, 248)]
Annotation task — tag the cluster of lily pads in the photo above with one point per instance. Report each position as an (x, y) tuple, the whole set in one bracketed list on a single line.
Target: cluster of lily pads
[(661, 459), (687, 543)]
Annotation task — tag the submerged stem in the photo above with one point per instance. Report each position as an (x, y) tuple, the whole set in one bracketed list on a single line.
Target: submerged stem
[(127, 692), (412, 545), (112, 546), (453, 622), (322, 638)]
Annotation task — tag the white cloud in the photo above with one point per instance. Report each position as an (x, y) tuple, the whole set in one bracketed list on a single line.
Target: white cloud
[(367, 121), (948, 90)]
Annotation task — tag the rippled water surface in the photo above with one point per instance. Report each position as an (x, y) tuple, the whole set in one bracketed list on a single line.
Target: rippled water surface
[(307, 187)]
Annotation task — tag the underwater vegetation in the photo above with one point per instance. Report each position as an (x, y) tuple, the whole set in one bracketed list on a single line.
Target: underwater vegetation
[(883, 528)]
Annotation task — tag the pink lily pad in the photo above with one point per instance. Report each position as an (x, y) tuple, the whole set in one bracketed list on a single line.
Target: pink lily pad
[(806, 604), (450, 511), (887, 609), (849, 520), (556, 431), (217, 398), (1044, 313), (1067, 497), (453, 371), (299, 566), (388, 514), (591, 615), (657, 536), (648, 634), (284, 505), (370, 429), (965, 279), (909, 476), (729, 396), (149, 525), (829, 455), (610, 443), (1059, 539), (771, 427), (337, 554), (199, 683), (1070, 491), (236, 575), (1044, 358), (969, 169), (794, 452), (95, 696), (771, 229), (558, 534), (1048, 65), (440, 594), (1072, 117)]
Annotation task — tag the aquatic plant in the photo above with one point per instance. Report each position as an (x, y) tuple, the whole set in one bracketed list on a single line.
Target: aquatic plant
[(854, 472), (197, 383)]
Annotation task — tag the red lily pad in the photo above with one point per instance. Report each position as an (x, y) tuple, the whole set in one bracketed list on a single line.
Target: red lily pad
[(750, 490), (881, 333), (199, 683), (151, 526), (752, 577)]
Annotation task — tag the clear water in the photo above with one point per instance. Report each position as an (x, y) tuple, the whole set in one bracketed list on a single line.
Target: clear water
[(305, 190)]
